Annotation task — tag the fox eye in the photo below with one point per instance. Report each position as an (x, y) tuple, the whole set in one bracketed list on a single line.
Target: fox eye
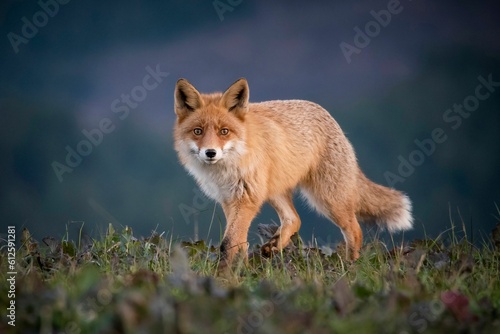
[(224, 131), (198, 131)]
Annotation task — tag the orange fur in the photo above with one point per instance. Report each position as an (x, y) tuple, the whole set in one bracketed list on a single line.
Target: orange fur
[(245, 154)]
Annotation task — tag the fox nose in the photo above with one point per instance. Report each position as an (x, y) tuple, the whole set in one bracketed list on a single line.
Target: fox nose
[(210, 153)]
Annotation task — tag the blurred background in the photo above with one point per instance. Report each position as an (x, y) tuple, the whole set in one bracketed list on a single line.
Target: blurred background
[(86, 98)]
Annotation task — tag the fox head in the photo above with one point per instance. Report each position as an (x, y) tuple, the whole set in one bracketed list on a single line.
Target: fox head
[(210, 127)]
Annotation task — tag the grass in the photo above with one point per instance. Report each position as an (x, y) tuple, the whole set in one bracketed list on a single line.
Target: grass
[(121, 284)]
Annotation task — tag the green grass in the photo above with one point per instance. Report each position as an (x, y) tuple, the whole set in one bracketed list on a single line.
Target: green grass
[(121, 284)]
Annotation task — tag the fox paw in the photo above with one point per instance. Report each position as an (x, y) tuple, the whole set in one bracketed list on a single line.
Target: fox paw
[(271, 247)]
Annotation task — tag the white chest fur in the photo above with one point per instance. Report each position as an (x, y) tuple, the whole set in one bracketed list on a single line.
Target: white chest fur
[(219, 181)]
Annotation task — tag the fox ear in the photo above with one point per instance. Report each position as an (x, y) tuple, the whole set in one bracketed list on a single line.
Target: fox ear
[(235, 98), (186, 97)]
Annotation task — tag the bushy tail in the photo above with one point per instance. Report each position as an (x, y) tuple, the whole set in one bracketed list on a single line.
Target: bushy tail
[(388, 207)]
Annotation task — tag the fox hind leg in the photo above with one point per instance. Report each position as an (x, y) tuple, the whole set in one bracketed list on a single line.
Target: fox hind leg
[(340, 211), (290, 223), (347, 222)]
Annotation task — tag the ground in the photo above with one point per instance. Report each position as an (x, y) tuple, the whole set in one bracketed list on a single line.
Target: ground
[(121, 284)]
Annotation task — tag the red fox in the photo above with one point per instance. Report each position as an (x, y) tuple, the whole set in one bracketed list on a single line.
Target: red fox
[(245, 154)]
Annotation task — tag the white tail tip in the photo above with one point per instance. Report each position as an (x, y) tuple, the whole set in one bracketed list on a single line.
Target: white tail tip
[(403, 219)]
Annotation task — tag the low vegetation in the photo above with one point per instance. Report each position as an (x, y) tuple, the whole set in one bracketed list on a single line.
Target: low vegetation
[(122, 284)]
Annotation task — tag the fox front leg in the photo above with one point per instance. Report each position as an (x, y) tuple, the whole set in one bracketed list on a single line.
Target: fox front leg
[(239, 215)]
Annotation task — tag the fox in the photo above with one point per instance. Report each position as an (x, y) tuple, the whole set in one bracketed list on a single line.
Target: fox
[(244, 154)]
